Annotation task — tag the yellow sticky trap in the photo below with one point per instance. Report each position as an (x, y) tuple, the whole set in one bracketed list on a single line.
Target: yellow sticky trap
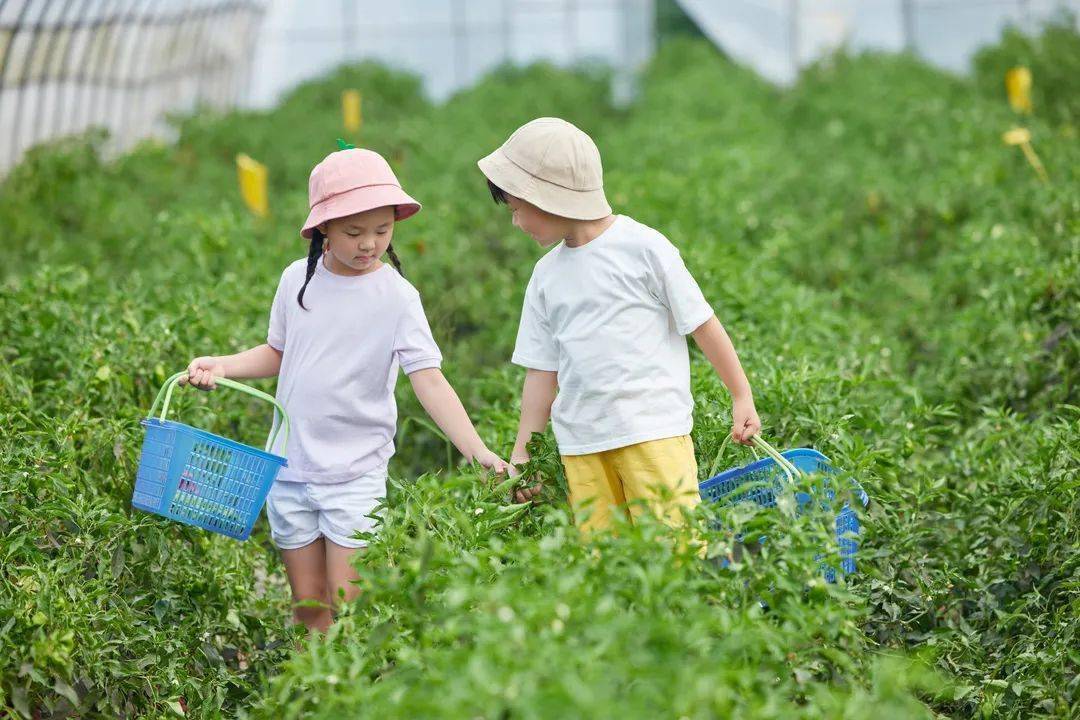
[(873, 202), (351, 115), (252, 175), (1022, 137), (1018, 88), (1017, 136)]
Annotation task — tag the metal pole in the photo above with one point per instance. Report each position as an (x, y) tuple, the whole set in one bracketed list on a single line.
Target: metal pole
[(223, 88), (48, 74), (793, 34), (166, 77), (245, 68), (16, 129), (570, 30), (507, 29), (132, 69), (91, 67), (907, 11), (230, 73), (1025, 13), (153, 22), (109, 83), (344, 29), (461, 49), (69, 75), (203, 53)]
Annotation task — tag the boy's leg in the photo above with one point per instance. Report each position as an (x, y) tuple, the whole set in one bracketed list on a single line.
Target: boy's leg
[(595, 491), (661, 475), (306, 568)]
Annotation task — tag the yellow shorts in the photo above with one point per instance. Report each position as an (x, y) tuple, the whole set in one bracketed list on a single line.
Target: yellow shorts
[(659, 476)]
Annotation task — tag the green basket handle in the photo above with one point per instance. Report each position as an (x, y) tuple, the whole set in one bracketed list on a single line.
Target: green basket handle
[(164, 397), (786, 465)]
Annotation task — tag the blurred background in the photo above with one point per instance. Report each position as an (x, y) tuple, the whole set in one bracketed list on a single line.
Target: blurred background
[(126, 65), (880, 198)]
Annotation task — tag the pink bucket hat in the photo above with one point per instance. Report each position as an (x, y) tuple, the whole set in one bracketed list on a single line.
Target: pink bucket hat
[(350, 181)]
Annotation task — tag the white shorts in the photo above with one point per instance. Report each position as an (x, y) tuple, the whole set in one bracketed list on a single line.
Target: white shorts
[(302, 512)]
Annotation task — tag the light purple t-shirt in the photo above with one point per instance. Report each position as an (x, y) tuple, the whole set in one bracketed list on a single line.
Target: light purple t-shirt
[(339, 365)]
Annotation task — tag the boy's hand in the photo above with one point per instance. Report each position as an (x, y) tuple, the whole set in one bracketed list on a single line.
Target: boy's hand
[(523, 494), (202, 371), (745, 421), (491, 461)]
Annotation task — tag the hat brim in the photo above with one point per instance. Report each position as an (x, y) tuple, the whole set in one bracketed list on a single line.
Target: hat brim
[(359, 200), (552, 198)]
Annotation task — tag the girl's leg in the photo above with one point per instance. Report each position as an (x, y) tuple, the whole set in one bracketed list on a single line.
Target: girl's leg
[(340, 573), (306, 568)]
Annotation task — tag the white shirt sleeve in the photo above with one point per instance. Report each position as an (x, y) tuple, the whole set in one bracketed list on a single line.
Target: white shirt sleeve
[(679, 292), (414, 345), (275, 334), (535, 347)]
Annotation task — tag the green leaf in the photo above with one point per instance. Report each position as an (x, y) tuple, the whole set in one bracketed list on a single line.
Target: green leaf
[(62, 688), (18, 699), (117, 562)]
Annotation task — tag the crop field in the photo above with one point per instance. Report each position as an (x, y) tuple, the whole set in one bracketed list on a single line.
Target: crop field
[(904, 293)]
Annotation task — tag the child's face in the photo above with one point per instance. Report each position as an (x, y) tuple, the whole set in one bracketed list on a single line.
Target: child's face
[(356, 242), (543, 227)]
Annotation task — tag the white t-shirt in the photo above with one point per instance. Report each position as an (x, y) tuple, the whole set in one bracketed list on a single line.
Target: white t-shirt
[(339, 365), (610, 317)]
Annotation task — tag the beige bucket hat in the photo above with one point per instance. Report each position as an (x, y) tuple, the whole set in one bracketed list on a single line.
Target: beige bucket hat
[(553, 165)]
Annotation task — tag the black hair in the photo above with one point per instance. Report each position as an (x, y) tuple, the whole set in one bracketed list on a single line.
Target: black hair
[(394, 260), (315, 251), (497, 193)]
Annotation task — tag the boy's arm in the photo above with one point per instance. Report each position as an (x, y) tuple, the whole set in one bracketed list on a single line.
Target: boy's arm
[(537, 396), (715, 343), (445, 408), (258, 362)]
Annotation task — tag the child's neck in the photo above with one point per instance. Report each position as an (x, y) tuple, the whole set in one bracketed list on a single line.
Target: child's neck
[(580, 232)]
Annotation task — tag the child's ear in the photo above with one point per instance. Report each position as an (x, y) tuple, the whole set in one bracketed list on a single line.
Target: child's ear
[(323, 227)]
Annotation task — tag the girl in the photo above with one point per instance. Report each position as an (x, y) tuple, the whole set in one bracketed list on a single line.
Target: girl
[(341, 324)]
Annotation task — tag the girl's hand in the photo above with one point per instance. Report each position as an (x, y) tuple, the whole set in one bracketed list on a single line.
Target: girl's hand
[(491, 461), (523, 494), (203, 371), (745, 421)]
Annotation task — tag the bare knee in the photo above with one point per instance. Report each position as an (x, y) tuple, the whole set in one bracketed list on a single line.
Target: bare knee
[(311, 608)]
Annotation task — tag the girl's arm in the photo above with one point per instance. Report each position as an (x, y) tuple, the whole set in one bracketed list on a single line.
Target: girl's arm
[(537, 395), (715, 343), (259, 362), (445, 408)]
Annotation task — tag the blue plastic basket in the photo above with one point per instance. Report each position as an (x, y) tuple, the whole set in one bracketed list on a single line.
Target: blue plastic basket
[(760, 482), (202, 479)]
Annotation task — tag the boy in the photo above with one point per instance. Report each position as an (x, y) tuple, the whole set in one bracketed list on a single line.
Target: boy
[(602, 334)]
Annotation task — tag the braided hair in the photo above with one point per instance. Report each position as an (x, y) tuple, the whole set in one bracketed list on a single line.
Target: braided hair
[(394, 260), (315, 251)]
